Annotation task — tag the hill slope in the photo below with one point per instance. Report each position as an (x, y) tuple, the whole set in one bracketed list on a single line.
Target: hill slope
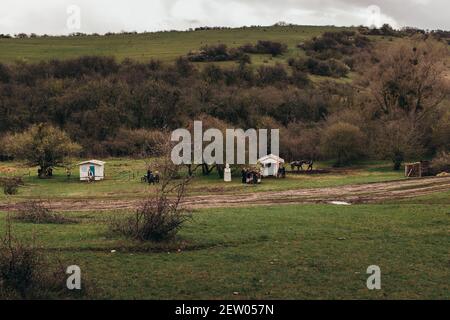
[(165, 46)]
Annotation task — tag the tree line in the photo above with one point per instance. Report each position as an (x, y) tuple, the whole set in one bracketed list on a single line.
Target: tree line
[(395, 108)]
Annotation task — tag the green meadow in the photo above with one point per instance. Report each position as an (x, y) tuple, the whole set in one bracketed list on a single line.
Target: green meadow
[(123, 181), (164, 46), (316, 251), (278, 252)]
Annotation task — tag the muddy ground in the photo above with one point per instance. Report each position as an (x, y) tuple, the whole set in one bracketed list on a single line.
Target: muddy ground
[(353, 194)]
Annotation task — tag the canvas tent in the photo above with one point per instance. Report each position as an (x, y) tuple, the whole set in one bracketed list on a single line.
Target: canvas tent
[(92, 168), (270, 165)]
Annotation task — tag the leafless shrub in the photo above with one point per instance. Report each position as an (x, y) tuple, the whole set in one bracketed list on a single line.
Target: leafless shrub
[(11, 185), (441, 163), (38, 213), (24, 271), (160, 217), (398, 140)]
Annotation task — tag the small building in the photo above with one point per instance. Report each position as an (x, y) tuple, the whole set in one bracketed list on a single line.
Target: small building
[(92, 170), (417, 169), (270, 165)]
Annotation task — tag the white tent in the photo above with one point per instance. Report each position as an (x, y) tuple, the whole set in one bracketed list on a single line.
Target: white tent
[(92, 168), (270, 165)]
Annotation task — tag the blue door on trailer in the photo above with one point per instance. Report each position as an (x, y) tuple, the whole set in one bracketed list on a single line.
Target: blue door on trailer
[(92, 169)]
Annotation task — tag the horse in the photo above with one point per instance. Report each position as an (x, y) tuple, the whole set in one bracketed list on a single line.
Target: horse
[(299, 165)]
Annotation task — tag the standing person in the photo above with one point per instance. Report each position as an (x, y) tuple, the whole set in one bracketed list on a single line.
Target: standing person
[(244, 175), (151, 178), (149, 172), (91, 176), (255, 178), (248, 179)]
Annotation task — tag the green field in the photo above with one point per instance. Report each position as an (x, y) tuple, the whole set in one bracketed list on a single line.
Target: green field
[(282, 252), (315, 251), (123, 181), (164, 46)]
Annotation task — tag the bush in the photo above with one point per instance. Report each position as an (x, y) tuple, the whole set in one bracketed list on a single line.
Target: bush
[(213, 53), (159, 218), (87, 65), (155, 221), (5, 75), (299, 78), (184, 67), (271, 47), (25, 273), (343, 142), (338, 68), (441, 163), (38, 213), (11, 185), (441, 133), (327, 68), (140, 142), (212, 73), (5, 141), (269, 75), (336, 44), (265, 47), (300, 141)]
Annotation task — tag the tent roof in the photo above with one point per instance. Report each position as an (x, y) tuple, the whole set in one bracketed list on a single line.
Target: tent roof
[(97, 162), (271, 158)]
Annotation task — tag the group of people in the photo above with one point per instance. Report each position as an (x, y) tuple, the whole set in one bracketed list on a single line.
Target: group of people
[(151, 178), (250, 176)]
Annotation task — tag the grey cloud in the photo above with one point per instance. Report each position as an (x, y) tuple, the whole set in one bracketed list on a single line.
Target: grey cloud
[(49, 16)]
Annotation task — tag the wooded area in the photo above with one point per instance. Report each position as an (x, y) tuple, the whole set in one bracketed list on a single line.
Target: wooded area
[(396, 107)]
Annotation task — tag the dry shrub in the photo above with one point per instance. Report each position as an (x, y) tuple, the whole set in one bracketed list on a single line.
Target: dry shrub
[(268, 75), (160, 217), (11, 185), (265, 47), (134, 142), (441, 130), (410, 78), (25, 272), (38, 213), (441, 163), (301, 141), (157, 219), (398, 140)]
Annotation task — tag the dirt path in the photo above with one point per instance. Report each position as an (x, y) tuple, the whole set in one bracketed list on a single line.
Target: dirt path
[(354, 194)]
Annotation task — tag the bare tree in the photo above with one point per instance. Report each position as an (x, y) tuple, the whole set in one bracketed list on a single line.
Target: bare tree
[(408, 85), (398, 140), (409, 79)]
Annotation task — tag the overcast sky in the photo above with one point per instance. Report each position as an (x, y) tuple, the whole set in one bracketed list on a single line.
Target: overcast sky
[(59, 17)]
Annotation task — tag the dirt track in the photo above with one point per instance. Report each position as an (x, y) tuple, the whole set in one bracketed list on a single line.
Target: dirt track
[(354, 194)]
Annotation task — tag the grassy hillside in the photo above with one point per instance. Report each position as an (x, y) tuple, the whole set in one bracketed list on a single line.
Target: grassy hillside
[(165, 46)]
